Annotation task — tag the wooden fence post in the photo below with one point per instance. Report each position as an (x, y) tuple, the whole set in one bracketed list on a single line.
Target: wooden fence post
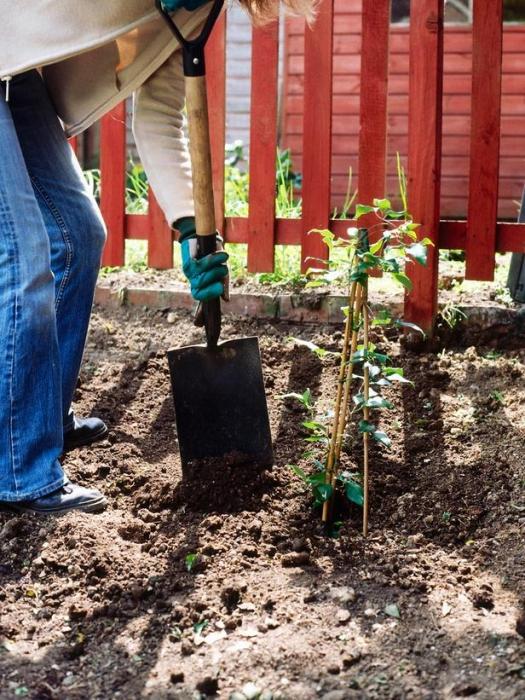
[(160, 236), (373, 105), (317, 133), (424, 152), (263, 148), (487, 50), (113, 183)]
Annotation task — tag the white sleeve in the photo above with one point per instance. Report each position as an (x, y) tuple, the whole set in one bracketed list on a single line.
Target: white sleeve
[(158, 129)]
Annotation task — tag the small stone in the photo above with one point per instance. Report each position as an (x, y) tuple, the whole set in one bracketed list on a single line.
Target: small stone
[(177, 677), (370, 612), (237, 696), (343, 616), (271, 623), (69, 680), (343, 594), (295, 559), (246, 607), (171, 317), (333, 669), (351, 660), (251, 691), (186, 648), (299, 544)]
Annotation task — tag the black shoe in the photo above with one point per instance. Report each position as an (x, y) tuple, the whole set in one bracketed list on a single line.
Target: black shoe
[(64, 499), (84, 432)]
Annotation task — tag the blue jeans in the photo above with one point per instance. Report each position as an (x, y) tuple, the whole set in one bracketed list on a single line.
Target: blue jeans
[(51, 240)]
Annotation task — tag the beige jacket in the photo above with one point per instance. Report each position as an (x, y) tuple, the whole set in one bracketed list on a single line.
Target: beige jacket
[(95, 53)]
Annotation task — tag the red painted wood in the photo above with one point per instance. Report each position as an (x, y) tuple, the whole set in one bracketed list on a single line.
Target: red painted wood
[(424, 160), (137, 227), (73, 141), (263, 147), (373, 107), (216, 82), (113, 183), (510, 238), (317, 132), (160, 237), (485, 139)]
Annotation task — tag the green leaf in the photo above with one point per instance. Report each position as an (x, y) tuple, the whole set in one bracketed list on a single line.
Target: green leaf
[(383, 204), (320, 352), (418, 251), (362, 210), (381, 437), (403, 280), (377, 402), (412, 326), (392, 610), (299, 472), (382, 318), (323, 492), (376, 247), (366, 427), (198, 627), (191, 560), (354, 492), (317, 478)]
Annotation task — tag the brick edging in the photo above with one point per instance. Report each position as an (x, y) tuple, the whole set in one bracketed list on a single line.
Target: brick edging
[(298, 308)]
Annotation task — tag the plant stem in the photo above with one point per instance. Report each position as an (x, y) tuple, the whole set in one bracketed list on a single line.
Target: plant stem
[(366, 410)]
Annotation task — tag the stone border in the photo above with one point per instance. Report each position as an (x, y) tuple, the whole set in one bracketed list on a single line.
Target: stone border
[(305, 308)]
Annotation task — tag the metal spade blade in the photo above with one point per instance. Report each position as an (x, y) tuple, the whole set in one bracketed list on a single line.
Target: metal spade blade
[(220, 405)]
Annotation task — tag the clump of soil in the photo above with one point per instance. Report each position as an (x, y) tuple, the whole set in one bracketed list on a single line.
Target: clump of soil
[(430, 606)]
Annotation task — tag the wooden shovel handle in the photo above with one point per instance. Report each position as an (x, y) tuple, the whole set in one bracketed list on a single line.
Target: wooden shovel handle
[(200, 153)]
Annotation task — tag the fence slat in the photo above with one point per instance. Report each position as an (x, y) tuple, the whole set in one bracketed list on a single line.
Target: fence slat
[(487, 32), (160, 237), (317, 132), (373, 107), (424, 151), (113, 183), (216, 82), (263, 146)]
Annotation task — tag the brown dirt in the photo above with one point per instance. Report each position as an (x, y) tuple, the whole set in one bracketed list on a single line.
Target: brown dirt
[(103, 606)]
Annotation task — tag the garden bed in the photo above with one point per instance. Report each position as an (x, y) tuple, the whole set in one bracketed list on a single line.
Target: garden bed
[(105, 607)]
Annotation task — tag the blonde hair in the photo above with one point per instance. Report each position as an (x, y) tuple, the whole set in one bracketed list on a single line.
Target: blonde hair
[(265, 10)]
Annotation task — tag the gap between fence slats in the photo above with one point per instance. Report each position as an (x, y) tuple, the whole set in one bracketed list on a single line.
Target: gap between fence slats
[(317, 133), (216, 81), (424, 152), (373, 106), (113, 183), (263, 147), (487, 33)]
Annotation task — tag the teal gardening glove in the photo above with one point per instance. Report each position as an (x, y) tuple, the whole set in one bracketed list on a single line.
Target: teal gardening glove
[(207, 276), (172, 5)]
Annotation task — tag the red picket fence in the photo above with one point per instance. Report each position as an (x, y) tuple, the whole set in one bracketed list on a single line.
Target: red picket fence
[(480, 235)]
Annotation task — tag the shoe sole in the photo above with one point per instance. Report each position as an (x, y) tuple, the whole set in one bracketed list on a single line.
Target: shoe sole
[(86, 441), (94, 507)]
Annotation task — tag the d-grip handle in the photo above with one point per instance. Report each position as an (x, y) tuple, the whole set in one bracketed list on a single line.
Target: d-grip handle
[(200, 150)]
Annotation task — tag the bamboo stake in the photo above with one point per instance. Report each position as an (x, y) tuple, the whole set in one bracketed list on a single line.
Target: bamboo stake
[(355, 315), (366, 411), (330, 463), (350, 371)]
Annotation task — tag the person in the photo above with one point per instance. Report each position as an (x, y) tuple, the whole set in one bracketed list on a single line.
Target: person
[(64, 64)]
